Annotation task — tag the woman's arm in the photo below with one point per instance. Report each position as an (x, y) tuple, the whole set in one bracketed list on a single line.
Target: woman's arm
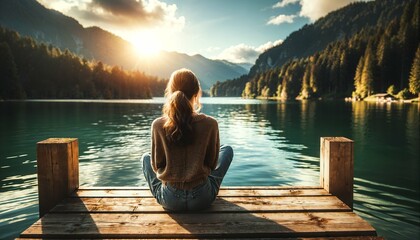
[(158, 152), (212, 152)]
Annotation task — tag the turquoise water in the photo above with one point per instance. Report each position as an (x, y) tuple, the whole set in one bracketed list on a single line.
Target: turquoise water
[(274, 144)]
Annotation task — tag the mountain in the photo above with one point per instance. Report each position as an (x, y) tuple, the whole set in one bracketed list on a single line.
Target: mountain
[(30, 18), (358, 50), (245, 65), (33, 70), (340, 24), (208, 71)]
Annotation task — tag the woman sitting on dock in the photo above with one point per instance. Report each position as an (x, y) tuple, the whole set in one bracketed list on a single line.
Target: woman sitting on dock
[(186, 166)]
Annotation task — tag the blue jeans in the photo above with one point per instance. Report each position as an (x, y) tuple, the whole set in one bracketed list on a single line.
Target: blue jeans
[(195, 199)]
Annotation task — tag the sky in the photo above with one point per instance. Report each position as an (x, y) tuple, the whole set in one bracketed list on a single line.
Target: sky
[(234, 30)]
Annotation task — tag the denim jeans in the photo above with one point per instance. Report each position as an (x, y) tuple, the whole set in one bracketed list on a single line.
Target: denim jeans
[(195, 199)]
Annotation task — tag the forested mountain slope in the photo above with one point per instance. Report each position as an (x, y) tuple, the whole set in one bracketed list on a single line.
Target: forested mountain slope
[(32, 70), (369, 46)]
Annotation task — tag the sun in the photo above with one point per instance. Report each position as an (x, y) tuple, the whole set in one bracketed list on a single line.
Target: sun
[(146, 43)]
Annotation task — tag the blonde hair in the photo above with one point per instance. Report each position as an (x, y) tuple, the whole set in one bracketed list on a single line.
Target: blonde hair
[(182, 87)]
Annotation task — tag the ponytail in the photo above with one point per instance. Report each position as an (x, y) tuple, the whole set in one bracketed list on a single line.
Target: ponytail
[(182, 87), (179, 114)]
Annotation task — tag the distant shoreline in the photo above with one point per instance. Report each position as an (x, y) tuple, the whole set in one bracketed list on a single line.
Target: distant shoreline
[(161, 100), (348, 99)]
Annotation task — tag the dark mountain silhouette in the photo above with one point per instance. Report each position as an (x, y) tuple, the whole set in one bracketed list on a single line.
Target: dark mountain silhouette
[(30, 18)]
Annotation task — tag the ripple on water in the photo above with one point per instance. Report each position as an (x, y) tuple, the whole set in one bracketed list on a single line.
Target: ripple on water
[(374, 202)]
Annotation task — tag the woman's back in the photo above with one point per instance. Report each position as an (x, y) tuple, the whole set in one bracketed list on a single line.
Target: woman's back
[(185, 166)]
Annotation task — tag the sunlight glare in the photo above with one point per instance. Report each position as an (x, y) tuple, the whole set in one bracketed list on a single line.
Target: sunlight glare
[(146, 43)]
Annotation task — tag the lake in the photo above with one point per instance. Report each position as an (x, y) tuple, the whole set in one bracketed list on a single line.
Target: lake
[(275, 143)]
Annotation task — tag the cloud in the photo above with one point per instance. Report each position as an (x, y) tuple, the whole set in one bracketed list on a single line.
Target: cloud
[(314, 9), (60, 5), (262, 48), (284, 3), (128, 8), (239, 53), (242, 53), (281, 19), (127, 14)]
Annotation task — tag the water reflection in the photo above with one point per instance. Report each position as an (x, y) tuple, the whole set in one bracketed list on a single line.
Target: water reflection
[(386, 159), (275, 143), (263, 154)]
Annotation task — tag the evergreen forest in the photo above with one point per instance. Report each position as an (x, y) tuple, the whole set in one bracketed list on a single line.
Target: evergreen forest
[(379, 58), (31, 70)]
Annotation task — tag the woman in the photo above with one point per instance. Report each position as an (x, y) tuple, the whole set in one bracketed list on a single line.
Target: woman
[(186, 166)]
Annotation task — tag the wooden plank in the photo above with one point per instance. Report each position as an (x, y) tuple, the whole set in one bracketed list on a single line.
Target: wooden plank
[(222, 204), (183, 225), (58, 171), (222, 193), (145, 193)]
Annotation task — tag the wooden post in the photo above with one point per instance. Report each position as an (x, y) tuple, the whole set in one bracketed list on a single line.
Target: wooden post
[(336, 167), (58, 171)]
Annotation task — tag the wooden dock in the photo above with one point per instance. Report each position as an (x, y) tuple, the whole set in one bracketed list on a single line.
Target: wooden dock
[(239, 212)]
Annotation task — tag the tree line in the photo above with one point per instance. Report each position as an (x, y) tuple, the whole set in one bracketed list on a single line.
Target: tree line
[(39, 71), (383, 58)]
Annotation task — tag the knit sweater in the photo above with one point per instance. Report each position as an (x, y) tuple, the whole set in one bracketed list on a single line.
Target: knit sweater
[(185, 167)]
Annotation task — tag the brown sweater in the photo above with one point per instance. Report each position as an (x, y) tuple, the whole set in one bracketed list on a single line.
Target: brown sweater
[(185, 167)]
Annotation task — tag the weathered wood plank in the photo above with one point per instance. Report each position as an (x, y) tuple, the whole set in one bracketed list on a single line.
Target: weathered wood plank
[(222, 204), (222, 193), (184, 225)]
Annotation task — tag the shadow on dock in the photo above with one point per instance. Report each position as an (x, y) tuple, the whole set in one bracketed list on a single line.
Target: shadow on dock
[(238, 223), (70, 225)]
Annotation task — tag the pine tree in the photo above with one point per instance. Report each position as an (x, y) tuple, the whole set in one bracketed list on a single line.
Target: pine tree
[(414, 81), (358, 78), (213, 89), (367, 73), (278, 92), (391, 90), (383, 56), (313, 82), (306, 90), (247, 93)]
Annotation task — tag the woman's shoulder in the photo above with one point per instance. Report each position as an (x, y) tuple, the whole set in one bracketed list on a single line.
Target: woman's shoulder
[(158, 122), (201, 117)]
